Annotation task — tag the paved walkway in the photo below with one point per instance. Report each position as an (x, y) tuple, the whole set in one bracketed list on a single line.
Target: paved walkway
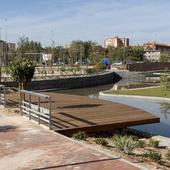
[(25, 145)]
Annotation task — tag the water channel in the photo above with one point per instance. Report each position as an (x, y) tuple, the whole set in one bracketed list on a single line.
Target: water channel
[(158, 108)]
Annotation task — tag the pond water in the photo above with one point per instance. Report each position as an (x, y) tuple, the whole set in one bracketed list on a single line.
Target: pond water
[(158, 108)]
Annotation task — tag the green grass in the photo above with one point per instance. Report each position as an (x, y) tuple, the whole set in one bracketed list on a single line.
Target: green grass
[(156, 92)]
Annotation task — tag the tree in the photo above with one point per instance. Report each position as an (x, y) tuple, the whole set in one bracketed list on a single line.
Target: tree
[(27, 48), (135, 54), (21, 70), (164, 57)]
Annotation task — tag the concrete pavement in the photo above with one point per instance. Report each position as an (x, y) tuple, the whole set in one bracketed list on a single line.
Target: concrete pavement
[(25, 145)]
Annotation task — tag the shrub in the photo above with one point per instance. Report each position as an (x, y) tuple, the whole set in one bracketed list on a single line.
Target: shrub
[(153, 143), (101, 141), (21, 70), (81, 135), (168, 155), (153, 156), (141, 143), (124, 144)]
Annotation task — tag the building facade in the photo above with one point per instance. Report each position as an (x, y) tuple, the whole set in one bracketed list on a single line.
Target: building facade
[(152, 55), (163, 48), (116, 42), (5, 48)]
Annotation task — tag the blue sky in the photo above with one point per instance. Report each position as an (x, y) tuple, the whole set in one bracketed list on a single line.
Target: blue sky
[(62, 21)]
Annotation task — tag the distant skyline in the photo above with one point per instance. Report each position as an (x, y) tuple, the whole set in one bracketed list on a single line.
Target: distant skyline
[(63, 21)]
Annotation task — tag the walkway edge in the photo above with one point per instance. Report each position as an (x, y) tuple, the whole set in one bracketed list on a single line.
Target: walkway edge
[(107, 93)]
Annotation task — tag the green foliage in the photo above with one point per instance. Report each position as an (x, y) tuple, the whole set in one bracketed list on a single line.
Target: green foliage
[(153, 156), (81, 135), (153, 143), (101, 141), (168, 155), (27, 46), (141, 144), (21, 70), (124, 143), (164, 57), (165, 81), (135, 54)]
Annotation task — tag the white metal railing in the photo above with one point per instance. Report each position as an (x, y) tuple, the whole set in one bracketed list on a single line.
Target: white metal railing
[(2, 96), (30, 104)]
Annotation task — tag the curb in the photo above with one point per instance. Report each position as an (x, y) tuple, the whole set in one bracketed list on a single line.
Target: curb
[(107, 93)]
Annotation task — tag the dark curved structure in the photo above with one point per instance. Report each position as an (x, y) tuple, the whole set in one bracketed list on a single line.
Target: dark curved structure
[(71, 82)]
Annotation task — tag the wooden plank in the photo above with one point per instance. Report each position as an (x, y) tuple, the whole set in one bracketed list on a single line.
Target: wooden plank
[(73, 113)]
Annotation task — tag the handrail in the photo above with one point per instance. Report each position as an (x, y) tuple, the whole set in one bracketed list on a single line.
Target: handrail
[(35, 94), (3, 95), (35, 110)]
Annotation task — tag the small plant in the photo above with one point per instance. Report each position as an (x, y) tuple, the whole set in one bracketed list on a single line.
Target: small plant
[(101, 141), (141, 144), (81, 135), (153, 156), (168, 155), (153, 143), (124, 144)]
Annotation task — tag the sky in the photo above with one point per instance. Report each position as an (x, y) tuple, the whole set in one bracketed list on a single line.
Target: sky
[(63, 21)]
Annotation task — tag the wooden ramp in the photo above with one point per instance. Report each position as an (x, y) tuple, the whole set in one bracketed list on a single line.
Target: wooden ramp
[(74, 113)]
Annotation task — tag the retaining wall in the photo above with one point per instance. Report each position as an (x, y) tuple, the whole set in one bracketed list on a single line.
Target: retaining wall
[(71, 82)]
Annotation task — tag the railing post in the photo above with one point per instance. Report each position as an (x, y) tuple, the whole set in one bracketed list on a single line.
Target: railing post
[(4, 90), (50, 120), (29, 107), (39, 101)]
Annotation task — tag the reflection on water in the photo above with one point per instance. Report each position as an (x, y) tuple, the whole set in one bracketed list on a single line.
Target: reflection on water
[(165, 109), (157, 108)]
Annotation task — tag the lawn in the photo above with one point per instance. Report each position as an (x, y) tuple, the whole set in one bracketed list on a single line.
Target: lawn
[(156, 92)]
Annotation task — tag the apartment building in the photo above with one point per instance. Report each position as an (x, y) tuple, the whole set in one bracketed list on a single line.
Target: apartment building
[(153, 51), (116, 42)]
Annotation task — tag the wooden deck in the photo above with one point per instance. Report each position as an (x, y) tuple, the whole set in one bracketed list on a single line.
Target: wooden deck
[(74, 113)]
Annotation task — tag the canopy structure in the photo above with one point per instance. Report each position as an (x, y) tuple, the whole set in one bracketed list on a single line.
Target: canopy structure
[(105, 60)]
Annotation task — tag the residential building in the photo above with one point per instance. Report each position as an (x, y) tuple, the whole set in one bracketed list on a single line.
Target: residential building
[(116, 42), (152, 55), (153, 51), (67, 46)]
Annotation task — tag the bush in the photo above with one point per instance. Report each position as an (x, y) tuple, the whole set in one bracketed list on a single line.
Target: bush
[(153, 156), (168, 155), (153, 143), (141, 143), (81, 135), (21, 70), (90, 71), (101, 141), (124, 144)]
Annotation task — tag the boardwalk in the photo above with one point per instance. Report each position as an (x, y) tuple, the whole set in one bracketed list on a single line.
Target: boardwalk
[(72, 113)]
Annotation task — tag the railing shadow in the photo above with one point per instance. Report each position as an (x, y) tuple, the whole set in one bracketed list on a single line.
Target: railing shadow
[(79, 106), (78, 163), (7, 128)]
